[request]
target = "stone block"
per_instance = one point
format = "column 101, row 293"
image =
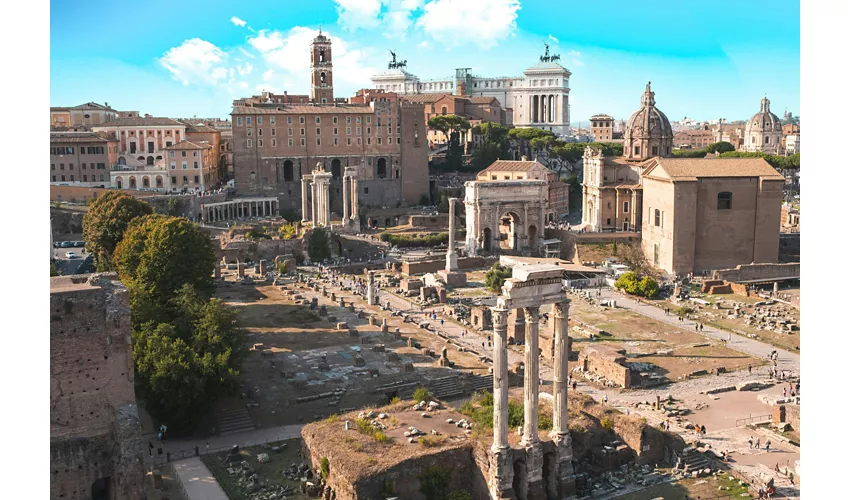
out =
column 392, row 356
column 342, row 326
column 359, row 361
column 452, row 279
column 353, row 333
column 409, row 368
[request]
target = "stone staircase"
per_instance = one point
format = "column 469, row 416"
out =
column 693, row 460
column 481, row 383
column 446, row 387
column 233, row 421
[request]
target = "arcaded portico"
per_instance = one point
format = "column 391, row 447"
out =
column 539, row 475
column 505, row 215
column 242, row 208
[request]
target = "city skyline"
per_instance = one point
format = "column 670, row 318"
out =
column 198, row 68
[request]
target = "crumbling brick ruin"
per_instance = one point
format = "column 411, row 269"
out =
column 95, row 436
column 607, row 362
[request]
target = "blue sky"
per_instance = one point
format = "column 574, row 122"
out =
column 187, row 58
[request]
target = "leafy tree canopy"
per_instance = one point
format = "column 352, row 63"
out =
column 720, row 147
column 318, row 245
column 105, row 222
column 496, row 276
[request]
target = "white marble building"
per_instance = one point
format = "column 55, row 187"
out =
column 539, row 98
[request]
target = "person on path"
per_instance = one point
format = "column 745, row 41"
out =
column 784, row 393
column 702, row 431
column 574, row 384
column 208, row 446
column 463, row 332
column 791, row 478
column 750, row 369
column 767, row 445
column 751, row 442
column 150, row 448
column 758, row 443
column 605, row 399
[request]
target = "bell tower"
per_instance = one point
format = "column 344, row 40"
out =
column 321, row 70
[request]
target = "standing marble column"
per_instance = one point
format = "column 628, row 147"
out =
column 305, row 217
column 451, row 255
column 314, row 202
column 370, row 292
column 345, row 212
column 501, row 470
column 561, row 312
column 532, row 376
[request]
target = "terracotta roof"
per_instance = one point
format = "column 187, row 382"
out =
column 511, row 166
column 481, row 99
column 285, row 109
column 93, row 105
column 75, row 137
column 188, row 145
column 694, row 168
column 200, row 127
column 424, row 98
column 138, row 121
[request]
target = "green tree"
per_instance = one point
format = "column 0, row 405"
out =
column 443, row 206
column 424, row 200
column 689, row 153
column 720, row 147
column 53, row 271
column 288, row 231
column 648, row 287
column 628, row 282
column 318, row 245
column 484, row 156
column 496, row 276
column 159, row 255
column 453, row 127
column 105, row 222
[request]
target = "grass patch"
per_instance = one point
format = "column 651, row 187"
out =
column 366, row 428
column 479, row 410
column 432, row 441
column 422, row 394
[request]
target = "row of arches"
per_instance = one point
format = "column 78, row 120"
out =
column 287, row 170
column 132, row 182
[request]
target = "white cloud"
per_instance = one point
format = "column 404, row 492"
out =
column 196, row 61
column 483, row 22
column 268, row 75
column 290, row 52
column 574, row 58
column 423, row 44
column 354, row 14
column 553, row 39
column 245, row 69
column 243, row 85
column 246, row 53
column 238, row 22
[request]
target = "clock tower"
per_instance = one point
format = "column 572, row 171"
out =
column 321, row 70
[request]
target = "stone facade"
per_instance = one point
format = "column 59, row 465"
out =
column 95, row 436
column 608, row 362
column 706, row 214
column 540, row 98
column 558, row 195
column 611, row 193
column 81, row 159
column 602, row 127
column 763, row 132
column 648, row 132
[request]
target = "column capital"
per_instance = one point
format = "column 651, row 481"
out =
column 561, row 309
column 532, row 314
column 500, row 316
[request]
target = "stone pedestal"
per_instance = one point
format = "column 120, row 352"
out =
column 452, row 278
column 371, row 295
column 501, row 473
column 263, row 267
column 217, row 272
column 240, row 270
column 536, row 488
column 384, row 326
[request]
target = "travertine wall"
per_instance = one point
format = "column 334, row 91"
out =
column 749, row 272
column 94, row 428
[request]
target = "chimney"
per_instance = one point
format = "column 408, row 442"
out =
column 524, row 158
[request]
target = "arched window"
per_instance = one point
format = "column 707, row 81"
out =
column 767, row 140
column 724, row 200
column 657, row 218
column 444, row 111
column 322, row 77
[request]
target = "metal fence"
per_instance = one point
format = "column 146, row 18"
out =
column 751, row 419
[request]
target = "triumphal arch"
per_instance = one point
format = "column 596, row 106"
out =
column 506, row 215
column 536, row 470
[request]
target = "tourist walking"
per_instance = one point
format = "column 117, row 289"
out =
column 751, row 442
column 758, row 443
column 767, row 445
column 605, row 399
column 150, row 448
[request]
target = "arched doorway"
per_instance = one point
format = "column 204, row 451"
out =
column 146, row 182
column 132, row 183
column 381, row 172
column 100, row 489
column 520, row 483
column 159, row 182
column 336, row 169
column 149, row 160
column 288, row 171
column 509, row 225
column 488, row 238
column 118, row 182
column 141, row 158
column 532, row 236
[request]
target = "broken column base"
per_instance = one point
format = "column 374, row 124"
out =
column 452, row 278
column 565, row 472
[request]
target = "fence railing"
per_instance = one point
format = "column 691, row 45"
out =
column 751, row 419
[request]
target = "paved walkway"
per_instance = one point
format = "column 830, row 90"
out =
column 198, row 482
column 248, row 438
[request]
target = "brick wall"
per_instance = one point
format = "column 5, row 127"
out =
column 94, row 428
column 411, row 268
column 607, row 362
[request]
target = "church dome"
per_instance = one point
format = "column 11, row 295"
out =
column 765, row 120
column 648, row 132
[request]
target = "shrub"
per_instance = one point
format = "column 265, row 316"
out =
column 325, row 465
column 364, row 426
column 633, row 285
column 395, row 400
column 648, row 287
column 684, row 311
column 496, row 276
column 424, row 200
column 422, row 394
column 282, row 268
column 434, row 482
column 406, row 241
column 318, row 245
column 432, row 441
column 607, row 424
column 460, row 495
column 288, row 231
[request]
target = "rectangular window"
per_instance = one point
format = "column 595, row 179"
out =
column 101, row 166
column 336, row 141
column 724, row 201
column 259, row 132
column 318, row 142
column 238, row 124
column 358, row 119
column 368, row 130
column 368, row 119
column 273, row 131
column 61, row 166
column 63, row 178
column 336, row 131
column 183, row 154
column 85, row 178
column 379, row 141
column 247, row 120
column 358, row 131
column 272, row 120
column 248, row 132
column 197, row 180
column 171, row 154
column 53, row 177
column 195, row 164
column 70, row 166
column 84, row 166
column 656, row 253
column 303, row 141
column 259, row 120
column 195, row 153
column 335, row 120
column 173, row 179
column 101, row 177
column 290, row 143
column 290, row 132
column 274, row 142
column 250, row 143
column 318, row 120
column 185, row 165
column 259, row 143
column 301, row 119
column 349, row 141
column 302, row 132
column 318, row 131
column 185, row 180
column 52, row 166
column 625, row 207
column 348, row 130
column 173, row 165
column 72, row 178
column 359, row 141
column 347, row 119
column 289, row 119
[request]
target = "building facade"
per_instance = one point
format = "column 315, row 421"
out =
column 702, row 214
column 763, row 132
column 699, row 138
column 84, row 115
column 539, row 98
column 476, row 110
column 602, row 127
column 142, row 139
column 81, row 159
column 611, row 193
column 648, row 132
column 186, row 167
column 276, row 144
